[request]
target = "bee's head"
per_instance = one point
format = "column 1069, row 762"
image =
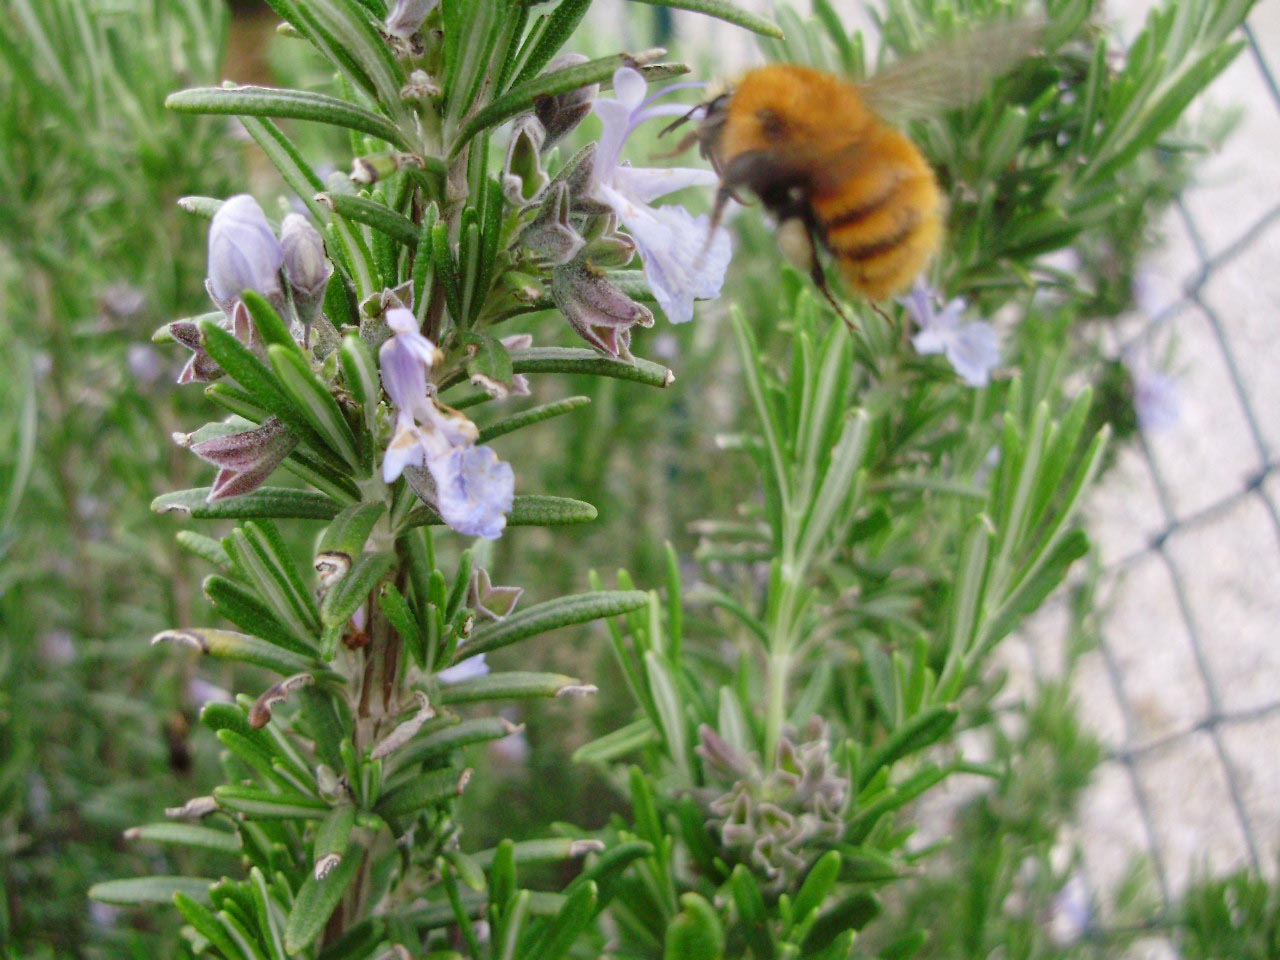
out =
column 710, row 116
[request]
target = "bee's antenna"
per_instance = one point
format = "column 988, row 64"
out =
column 680, row 121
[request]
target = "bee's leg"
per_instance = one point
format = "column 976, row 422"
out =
column 687, row 141
column 796, row 239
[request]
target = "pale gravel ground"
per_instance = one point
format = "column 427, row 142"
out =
column 1146, row 695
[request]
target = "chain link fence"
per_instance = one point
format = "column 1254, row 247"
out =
column 1184, row 686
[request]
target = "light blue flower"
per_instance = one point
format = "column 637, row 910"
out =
column 474, row 489
column 683, row 261
column 306, row 268
column 405, row 358
column 407, row 16
column 972, row 348
column 468, row 669
column 1155, row 396
column 244, row 253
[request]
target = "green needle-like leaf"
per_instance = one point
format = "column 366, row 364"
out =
column 188, row 835
column 313, row 399
column 258, row 803
column 277, row 502
column 428, row 790
column 542, row 617
column 531, row 416
column 343, row 600
column 523, row 97
column 728, row 12
column 226, row 645
column 318, row 898
column 296, row 104
column 138, row 891
column 377, row 215
column 512, row 686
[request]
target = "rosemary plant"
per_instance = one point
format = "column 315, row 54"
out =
column 372, row 340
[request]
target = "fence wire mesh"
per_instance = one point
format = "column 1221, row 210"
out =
column 1183, row 684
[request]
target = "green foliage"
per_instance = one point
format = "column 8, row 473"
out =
column 779, row 720
column 93, row 255
column 1235, row 917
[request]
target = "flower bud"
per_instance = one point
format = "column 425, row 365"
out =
column 523, row 178
column 420, row 88
column 200, row 367
column 551, row 236
column 598, row 311
column 245, row 459
column 578, row 176
column 305, row 266
column 243, row 253
column 561, row 113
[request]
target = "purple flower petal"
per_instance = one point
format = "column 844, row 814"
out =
column 468, row 669
column 679, row 266
column 244, row 253
column 474, row 490
column 682, row 259
column 972, row 349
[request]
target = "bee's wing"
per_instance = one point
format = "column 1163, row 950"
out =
column 951, row 73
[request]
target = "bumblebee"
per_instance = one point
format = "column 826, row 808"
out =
column 816, row 150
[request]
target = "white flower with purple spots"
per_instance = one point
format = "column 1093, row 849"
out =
column 972, row 348
column 681, row 261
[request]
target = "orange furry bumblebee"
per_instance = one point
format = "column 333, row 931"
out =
column 817, row 151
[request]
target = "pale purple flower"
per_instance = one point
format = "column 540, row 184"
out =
column 423, row 437
column 1155, row 396
column 244, row 253
column 972, row 348
column 405, row 358
column 683, row 261
column 145, row 365
column 407, row 16
column 474, row 490
column 57, row 648
column 1071, row 912
column 199, row 691
column 468, row 669
column 121, row 301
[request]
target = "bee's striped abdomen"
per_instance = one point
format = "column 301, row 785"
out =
column 882, row 221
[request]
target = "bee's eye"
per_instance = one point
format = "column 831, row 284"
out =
column 771, row 124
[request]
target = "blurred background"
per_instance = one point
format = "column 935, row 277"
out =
column 1154, row 683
